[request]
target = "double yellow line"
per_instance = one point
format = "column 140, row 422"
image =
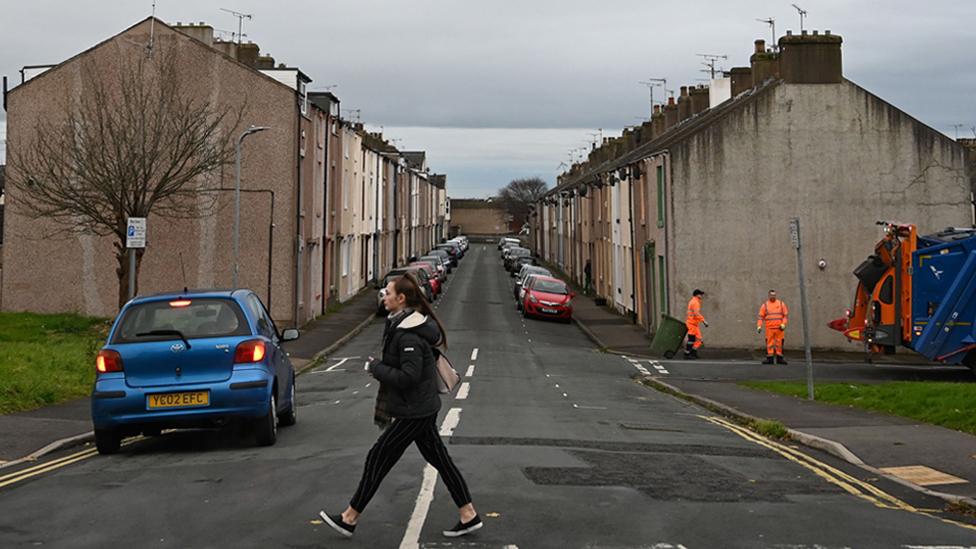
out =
column 848, row 483
column 53, row 465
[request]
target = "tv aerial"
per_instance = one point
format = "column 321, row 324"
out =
column 772, row 29
column 240, row 22
column 803, row 14
column 709, row 61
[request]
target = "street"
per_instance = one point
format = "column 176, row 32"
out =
column 560, row 444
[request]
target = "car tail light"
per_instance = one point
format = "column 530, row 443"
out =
column 108, row 361
column 180, row 303
column 249, row 351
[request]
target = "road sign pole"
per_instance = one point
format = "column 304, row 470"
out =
column 795, row 238
column 132, row 273
column 135, row 238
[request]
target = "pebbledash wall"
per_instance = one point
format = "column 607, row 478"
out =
column 55, row 274
column 711, row 185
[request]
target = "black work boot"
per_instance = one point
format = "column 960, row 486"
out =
column 780, row 360
column 769, row 360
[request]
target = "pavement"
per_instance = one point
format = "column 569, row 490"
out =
column 27, row 435
column 880, row 442
column 559, row 443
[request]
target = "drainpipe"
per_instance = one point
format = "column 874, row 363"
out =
column 299, row 217
column 376, row 219
column 325, row 210
column 633, row 249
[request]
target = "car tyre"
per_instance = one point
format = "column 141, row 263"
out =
column 266, row 428
column 290, row 417
column 107, row 441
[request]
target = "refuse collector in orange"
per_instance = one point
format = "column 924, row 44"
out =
column 774, row 314
column 692, row 322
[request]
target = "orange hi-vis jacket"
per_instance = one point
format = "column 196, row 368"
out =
column 774, row 314
column 694, row 317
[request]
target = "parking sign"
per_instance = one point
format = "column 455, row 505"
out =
column 135, row 232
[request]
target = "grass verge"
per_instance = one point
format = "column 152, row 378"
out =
column 46, row 359
column 951, row 405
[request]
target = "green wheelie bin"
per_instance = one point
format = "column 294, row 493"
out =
column 669, row 336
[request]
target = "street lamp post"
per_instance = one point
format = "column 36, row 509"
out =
column 237, row 199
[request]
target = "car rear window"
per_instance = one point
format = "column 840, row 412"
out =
column 549, row 287
column 194, row 318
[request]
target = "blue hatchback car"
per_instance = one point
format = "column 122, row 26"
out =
column 194, row 359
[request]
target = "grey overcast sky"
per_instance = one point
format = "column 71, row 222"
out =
column 503, row 89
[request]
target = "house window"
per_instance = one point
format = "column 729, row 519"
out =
column 660, row 195
column 303, row 96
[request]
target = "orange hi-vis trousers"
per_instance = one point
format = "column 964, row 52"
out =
column 774, row 341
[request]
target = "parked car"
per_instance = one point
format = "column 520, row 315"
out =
column 449, row 261
column 519, row 262
column 508, row 240
column 508, row 246
column 513, row 254
column 431, row 270
column 524, row 272
column 421, row 275
column 520, row 295
column 548, row 297
column 453, row 249
column 439, row 263
column 462, row 240
column 192, row 359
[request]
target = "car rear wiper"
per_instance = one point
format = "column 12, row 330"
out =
column 176, row 333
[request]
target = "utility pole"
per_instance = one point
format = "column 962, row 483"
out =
column 795, row 239
column 240, row 22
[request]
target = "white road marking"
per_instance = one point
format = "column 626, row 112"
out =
column 589, row 407
column 336, row 365
column 470, row 371
column 411, row 538
column 474, row 354
column 463, row 391
column 338, row 401
column 368, row 384
column 565, row 395
column 451, row 421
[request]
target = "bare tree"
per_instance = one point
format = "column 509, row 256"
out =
column 518, row 196
column 132, row 144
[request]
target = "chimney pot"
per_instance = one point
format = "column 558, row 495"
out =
column 827, row 32
column 179, row 23
column 803, row 32
column 671, row 101
column 789, row 33
column 761, row 46
column 684, row 91
column 815, row 33
column 202, row 23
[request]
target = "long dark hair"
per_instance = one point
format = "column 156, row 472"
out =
column 416, row 299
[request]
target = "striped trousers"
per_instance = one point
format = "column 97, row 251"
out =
column 390, row 447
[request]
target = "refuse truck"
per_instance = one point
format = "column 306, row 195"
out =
column 917, row 292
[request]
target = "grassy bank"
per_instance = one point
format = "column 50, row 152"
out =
column 46, row 359
column 951, row 405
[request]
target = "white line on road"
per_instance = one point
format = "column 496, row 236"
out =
column 474, row 354
column 470, row 371
column 451, row 421
column 463, row 391
column 411, row 538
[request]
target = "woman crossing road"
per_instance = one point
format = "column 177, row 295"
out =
column 407, row 406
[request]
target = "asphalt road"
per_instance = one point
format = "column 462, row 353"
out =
column 559, row 445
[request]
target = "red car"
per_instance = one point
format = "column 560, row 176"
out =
column 547, row 297
column 435, row 283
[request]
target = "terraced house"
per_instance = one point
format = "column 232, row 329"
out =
column 320, row 196
column 700, row 196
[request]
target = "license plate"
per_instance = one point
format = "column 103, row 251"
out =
column 178, row 400
column 550, row 311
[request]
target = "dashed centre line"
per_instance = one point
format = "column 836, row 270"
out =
column 463, row 391
column 470, row 371
column 474, row 354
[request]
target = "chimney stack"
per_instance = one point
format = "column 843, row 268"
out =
column 671, row 118
column 699, row 99
column 811, row 58
column 684, row 104
column 264, row 62
column 248, row 54
column 741, row 79
column 201, row 32
column 765, row 64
